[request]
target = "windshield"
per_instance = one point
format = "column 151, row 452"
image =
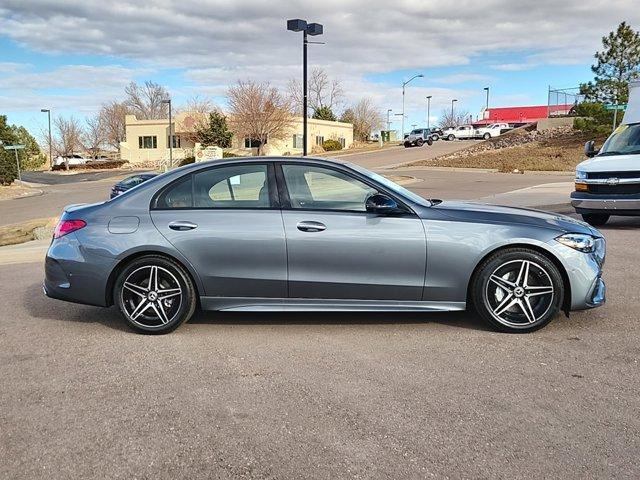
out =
column 624, row 140
column 416, row 132
column 394, row 187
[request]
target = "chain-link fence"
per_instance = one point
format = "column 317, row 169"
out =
column 561, row 102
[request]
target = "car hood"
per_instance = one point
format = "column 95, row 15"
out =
column 480, row 212
column 611, row 163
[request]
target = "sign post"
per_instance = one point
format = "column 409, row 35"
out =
column 15, row 148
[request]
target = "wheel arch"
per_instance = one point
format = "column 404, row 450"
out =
column 566, row 301
column 142, row 253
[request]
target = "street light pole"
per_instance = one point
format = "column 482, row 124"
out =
column 43, row 110
column 168, row 101
column 428, row 109
column 389, row 120
column 299, row 25
column 452, row 102
column 487, row 106
column 404, row 84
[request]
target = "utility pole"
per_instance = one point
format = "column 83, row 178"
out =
column 48, row 112
column 428, row 109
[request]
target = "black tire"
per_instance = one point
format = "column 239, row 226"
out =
column 493, row 298
column 407, row 145
column 429, row 141
column 486, row 136
column 451, row 137
column 419, row 142
column 596, row 219
column 161, row 313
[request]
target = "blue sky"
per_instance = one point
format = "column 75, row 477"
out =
column 200, row 48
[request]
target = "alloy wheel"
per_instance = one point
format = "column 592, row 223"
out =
column 519, row 293
column 151, row 296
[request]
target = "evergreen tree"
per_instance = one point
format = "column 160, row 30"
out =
column 324, row 113
column 616, row 65
column 8, row 168
column 215, row 131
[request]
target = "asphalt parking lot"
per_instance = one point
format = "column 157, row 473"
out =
column 289, row 395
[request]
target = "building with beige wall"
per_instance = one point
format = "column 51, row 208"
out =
column 147, row 141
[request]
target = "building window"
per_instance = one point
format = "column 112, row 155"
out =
column 252, row 142
column 176, row 141
column 319, row 140
column 343, row 142
column 148, row 141
column 297, row 141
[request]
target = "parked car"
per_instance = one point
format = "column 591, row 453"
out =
column 436, row 133
column 279, row 233
column 74, row 159
column 418, row 137
column 608, row 182
column 130, row 182
column 493, row 130
column 463, row 132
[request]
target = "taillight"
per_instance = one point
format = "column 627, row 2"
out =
column 67, row 226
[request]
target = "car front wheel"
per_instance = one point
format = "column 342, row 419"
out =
column 155, row 294
column 517, row 290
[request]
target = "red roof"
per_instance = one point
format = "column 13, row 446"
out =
column 525, row 114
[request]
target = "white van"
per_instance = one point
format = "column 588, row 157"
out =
column 608, row 182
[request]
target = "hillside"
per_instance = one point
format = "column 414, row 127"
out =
column 556, row 149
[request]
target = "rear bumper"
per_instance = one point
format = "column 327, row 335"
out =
column 611, row 204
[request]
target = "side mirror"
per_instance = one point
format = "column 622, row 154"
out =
column 379, row 203
column 589, row 149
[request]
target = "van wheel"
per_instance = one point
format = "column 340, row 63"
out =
column 595, row 219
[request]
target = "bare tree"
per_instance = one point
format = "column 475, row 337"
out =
column 112, row 120
column 453, row 119
column 365, row 118
column 93, row 137
column 260, row 112
column 145, row 101
column 323, row 92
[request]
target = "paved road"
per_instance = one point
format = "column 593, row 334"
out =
column 400, row 155
column 320, row 395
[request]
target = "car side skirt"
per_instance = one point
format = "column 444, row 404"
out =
column 248, row 304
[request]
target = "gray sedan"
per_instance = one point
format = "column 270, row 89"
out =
column 266, row 234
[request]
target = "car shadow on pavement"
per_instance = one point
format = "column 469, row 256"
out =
column 42, row 307
column 452, row 319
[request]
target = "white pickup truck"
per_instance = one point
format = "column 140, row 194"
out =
column 459, row 133
column 493, row 130
column 608, row 182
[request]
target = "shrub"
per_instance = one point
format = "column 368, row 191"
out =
column 93, row 165
column 331, row 145
column 187, row 161
column 8, row 168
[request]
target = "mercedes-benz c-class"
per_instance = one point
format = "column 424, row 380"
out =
column 309, row 234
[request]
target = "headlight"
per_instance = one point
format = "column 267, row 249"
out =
column 578, row 241
column 581, row 175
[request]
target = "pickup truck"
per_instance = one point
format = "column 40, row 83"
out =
column 460, row 133
column 608, row 182
column 493, row 130
column 418, row 137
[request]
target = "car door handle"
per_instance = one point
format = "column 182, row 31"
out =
column 311, row 226
column 181, row 225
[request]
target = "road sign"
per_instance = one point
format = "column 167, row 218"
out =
column 14, row 147
column 622, row 106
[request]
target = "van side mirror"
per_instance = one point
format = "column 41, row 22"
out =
column 589, row 149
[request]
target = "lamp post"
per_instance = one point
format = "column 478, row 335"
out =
column 168, row 102
column 404, row 84
column 428, row 109
column 389, row 120
column 486, row 89
column 452, row 102
column 48, row 112
column 313, row 29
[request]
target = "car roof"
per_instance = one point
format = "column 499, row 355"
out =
column 288, row 159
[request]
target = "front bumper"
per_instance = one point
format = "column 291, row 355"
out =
column 606, row 203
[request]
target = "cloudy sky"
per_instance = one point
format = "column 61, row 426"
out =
column 73, row 55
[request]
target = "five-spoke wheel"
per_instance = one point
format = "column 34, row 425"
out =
column 155, row 294
column 517, row 290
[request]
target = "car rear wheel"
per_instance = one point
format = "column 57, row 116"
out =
column 596, row 219
column 486, row 136
column 155, row 294
column 450, row 137
column 517, row 290
column 435, row 138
